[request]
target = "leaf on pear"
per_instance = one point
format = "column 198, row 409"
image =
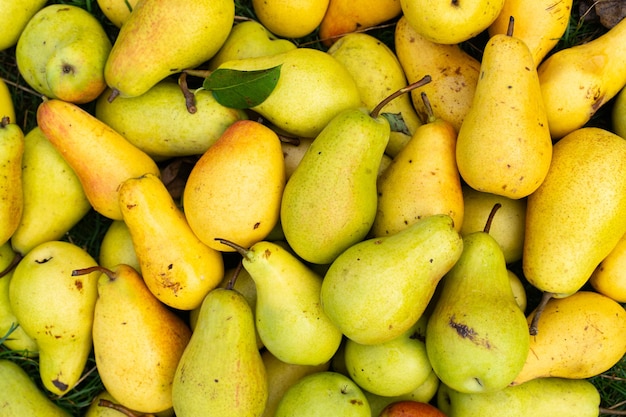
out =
column 242, row 89
column 397, row 123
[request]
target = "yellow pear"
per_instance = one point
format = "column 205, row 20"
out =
column 117, row 11
column 20, row 13
column 177, row 267
column 149, row 46
column 11, row 195
column 579, row 336
column 101, row 158
column 234, row 190
column 290, row 19
column 6, row 102
column 609, row 277
column 117, row 247
column 504, row 145
column 578, row 214
column 454, row 74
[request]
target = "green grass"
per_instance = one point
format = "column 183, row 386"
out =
column 89, row 232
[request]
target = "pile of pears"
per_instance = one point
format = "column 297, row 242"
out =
column 384, row 224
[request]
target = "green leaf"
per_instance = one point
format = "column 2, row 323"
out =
column 242, row 89
column 396, row 122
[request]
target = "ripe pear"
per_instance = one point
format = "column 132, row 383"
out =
column 504, row 145
column 377, row 71
column 137, row 340
column 7, row 109
column 378, row 288
column 232, row 193
column 92, row 148
column 221, row 369
column 609, row 277
column 20, row 396
column 20, row 14
column 148, row 46
column 11, row 184
column 595, row 67
column 542, row 397
column 454, row 74
column 578, row 214
column 117, row 11
column 176, row 266
column 313, row 87
column 61, row 53
column 54, row 199
column 56, row 309
column 116, row 247
column 158, row 122
column 577, row 337
column 476, row 321
column 329, row 202
column 290, row 19
column 421, row 180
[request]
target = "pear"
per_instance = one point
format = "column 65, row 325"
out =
column 609, row 277
column 504, row 145
column 519, row 290
column 421, row 180
column 54, row 199
column 328, row 393
column 582, row 196
column 20, row 396
column 11, row 184
column 117, row 11
column 61, row 53
column 148, row 46
column 595, row 67
column 56, row 309
column 576, row 337
column 378, row 288
column 232, row 193
column 7, row 109
column 313, row 87
column 116, row 247
column 329, row 202
column 289, row 317
column 293, row 152
column 454, row 74
column 221, row 369
column 476, row 321
column 177, row 267
column 543, row 397
column 129, row 322
column 20, row 13
column 377, row 71
column 92, row 148
column 293, row 19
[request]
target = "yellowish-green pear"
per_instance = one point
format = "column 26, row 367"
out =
column 11, row 183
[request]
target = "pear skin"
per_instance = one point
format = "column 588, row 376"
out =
column 176, row 266
column 92, row 148
column 581, row 197
column 292, row 19
column 11, row 184
column 609, row 277
column 6, row 102
column 116, row 247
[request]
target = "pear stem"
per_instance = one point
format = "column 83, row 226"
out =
column 197, row 73
column 231, row 282
column 509, row 29
column 428, row 107
column 114, row 93
column 120, row 408
column 533, row 330
column 5, row 121
column 492, row 213
column 16, row 260
column 190, row 98
column 610, row 412
column 90, row 269
column 240, row 249
column 419, row 83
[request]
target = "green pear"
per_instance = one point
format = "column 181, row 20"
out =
column 20, row 396
column 56, row 308
column 149, row 46
column 158, row 122
column 312, row 89
column 61, row 53
column 378, row 288
column 391, row 368
column 20, row 13
column 116, row 247
column 329, row 202
column 221, row 369
column 249, row 39
column 542, row 397
column 11, row 182
column 128, row 322
column 581, row 197
column 289, row 317
column 477, row 322
column 54, row 199
column 328, row 394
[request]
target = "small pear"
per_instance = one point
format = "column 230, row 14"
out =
column 55, row 309
column 609, row 277
column 11, row 184
column 378, row 288
column 117, row 247
column 289, row 317
column 221, row 368
column 129, row 322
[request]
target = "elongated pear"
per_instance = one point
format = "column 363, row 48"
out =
column 11, row 194
column 101, row 158
column 177, row 267
column 504, row 145
column 289, row 317
column 56, row 309
column 378, row 288
column 582, row 197
column 329, row 202
column 221, row 369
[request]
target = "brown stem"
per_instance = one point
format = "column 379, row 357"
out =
column 231, row 282
column 5, row 121
column 533, row 330
column 114, row 93
column 428, row 107
column 419, row 83
column 117, row 407
column 292, row 140
column 240, row 249
column 612, row 412
column 16, row 260
column 190, row 98
column 197, row 73
column 509, row 29
column 90, row 269
column 492, row 213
